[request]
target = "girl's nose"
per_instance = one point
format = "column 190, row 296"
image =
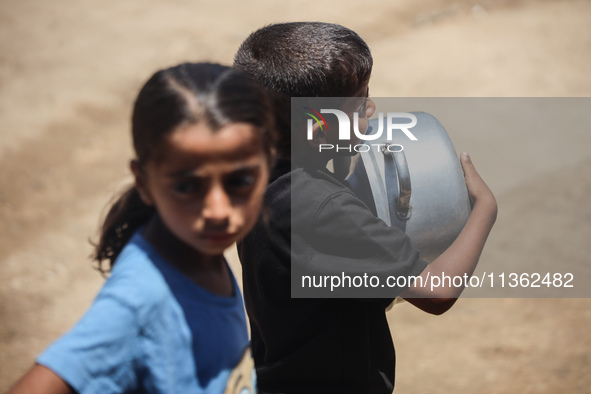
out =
column 217, row 205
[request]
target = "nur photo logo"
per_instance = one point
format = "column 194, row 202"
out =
column 391, row 122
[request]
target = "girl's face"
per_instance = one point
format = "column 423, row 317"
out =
column 207, row 186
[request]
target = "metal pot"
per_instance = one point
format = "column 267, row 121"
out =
column 417, row 185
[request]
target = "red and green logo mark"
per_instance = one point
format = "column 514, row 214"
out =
column 318, row 118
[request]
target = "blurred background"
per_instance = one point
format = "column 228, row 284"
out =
column 69, row 71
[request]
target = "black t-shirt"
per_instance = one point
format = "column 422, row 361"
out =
column 320, row 345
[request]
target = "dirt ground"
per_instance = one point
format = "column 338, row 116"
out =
column 69, row 70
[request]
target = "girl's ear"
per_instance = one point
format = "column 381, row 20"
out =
column 140, row 182
column 318, row 136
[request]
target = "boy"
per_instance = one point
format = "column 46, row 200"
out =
column 330, row 345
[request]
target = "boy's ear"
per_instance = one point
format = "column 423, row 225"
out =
column 140, row 182
column 318, row 136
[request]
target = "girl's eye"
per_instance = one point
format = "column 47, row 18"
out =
column 241, row 181
column 186, row 187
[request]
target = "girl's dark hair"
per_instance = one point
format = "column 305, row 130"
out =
column 185, row 94
column 304, row 59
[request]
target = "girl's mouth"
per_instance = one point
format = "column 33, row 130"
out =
column 218, row 237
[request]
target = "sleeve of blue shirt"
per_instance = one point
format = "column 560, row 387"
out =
column 98, row 354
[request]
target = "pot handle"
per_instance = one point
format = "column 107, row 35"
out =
column 396, row 167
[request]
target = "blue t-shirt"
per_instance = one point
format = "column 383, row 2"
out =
column 152, row 330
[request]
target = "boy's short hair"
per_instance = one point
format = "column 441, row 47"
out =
column 304, row 59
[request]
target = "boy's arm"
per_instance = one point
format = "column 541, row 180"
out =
column 463, row 254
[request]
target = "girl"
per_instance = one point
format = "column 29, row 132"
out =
column 170, row 318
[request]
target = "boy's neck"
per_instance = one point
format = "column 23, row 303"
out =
column 311, row 161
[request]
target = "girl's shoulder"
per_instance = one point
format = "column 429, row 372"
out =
column 135, row 281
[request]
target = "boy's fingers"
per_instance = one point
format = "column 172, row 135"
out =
column 473, row 180
column 467, row 164
column 465, row 158
column 477, row 188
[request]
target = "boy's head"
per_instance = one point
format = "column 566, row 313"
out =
column 305, row 59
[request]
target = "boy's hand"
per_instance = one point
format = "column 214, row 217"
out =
column 478, row 191
column 462, row 256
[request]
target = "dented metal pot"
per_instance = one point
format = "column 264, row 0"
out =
column 417, row 185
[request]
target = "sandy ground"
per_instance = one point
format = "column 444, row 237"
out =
column 69, row 70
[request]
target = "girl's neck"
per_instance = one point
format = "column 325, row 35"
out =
column 209, row 272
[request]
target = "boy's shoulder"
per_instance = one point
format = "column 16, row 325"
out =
column 317, row 191
column 311, row 183
column 304, row 186
column 322, row 181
